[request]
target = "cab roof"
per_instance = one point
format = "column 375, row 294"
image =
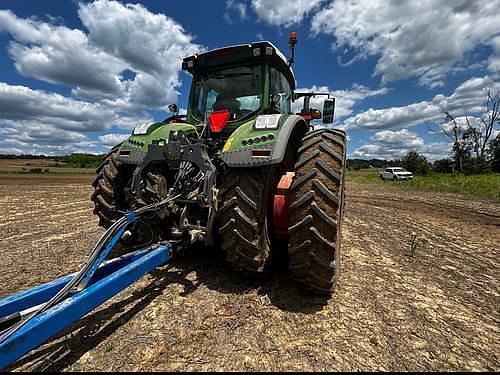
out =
column 242, row 54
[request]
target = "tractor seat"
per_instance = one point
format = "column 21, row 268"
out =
column 231, row 104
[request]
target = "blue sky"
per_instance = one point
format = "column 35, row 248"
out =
column 78, row 76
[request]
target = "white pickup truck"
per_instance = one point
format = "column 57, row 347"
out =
column 395, row 173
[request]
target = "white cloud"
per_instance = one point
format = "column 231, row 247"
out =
column 153, row 44
column 235, row 10
column 60, row 55
column 404, row 136
column 394, row 117
column 462, row 123
column 35, row 138
column 19, row 103
column 494, row 60
column 111, row 140
column 284, row 12
column 424, row 39
column 388, row 144
column 120, row 37
column 467, row 98
column 36, row 120
column 42, row 134
column 125, row 62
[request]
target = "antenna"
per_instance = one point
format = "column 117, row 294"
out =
column 292, row 41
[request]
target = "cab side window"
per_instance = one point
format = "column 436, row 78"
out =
column 280, row 86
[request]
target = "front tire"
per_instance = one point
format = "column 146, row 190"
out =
column 110, row 201
column 108, row 189
column 316, row 210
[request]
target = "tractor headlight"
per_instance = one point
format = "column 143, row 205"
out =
column 267, row 122
column 141, row 129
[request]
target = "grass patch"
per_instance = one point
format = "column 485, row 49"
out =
column 484, row 185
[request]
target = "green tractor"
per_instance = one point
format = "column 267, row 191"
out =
column 245, row 174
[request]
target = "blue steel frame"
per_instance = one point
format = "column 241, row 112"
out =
column 108, row 280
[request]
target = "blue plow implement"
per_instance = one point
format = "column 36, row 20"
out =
column 30, row 318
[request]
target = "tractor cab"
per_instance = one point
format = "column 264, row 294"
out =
column 238, row 83
column 235, row 84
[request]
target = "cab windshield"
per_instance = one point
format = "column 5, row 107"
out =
column 236, row 89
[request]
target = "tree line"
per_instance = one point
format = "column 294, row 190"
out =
column 413, row 162
column 76, row 160
column 418, row 164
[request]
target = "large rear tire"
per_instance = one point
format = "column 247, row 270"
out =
column 316, row 210
column 242, row 219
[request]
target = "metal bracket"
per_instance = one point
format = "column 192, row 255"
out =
column 173, row 153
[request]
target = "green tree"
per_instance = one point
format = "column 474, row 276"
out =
column 494, row 152
column 416, row 163
column 443, row 166
column 470, row 141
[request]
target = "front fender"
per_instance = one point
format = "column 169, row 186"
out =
column 135, row 148
column 238, row 153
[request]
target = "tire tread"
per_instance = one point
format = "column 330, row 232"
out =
column 316, row 210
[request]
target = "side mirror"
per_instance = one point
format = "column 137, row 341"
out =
column 328, row 111
column 173, row 108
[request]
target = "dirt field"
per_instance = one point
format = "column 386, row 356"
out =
column 438, row 310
